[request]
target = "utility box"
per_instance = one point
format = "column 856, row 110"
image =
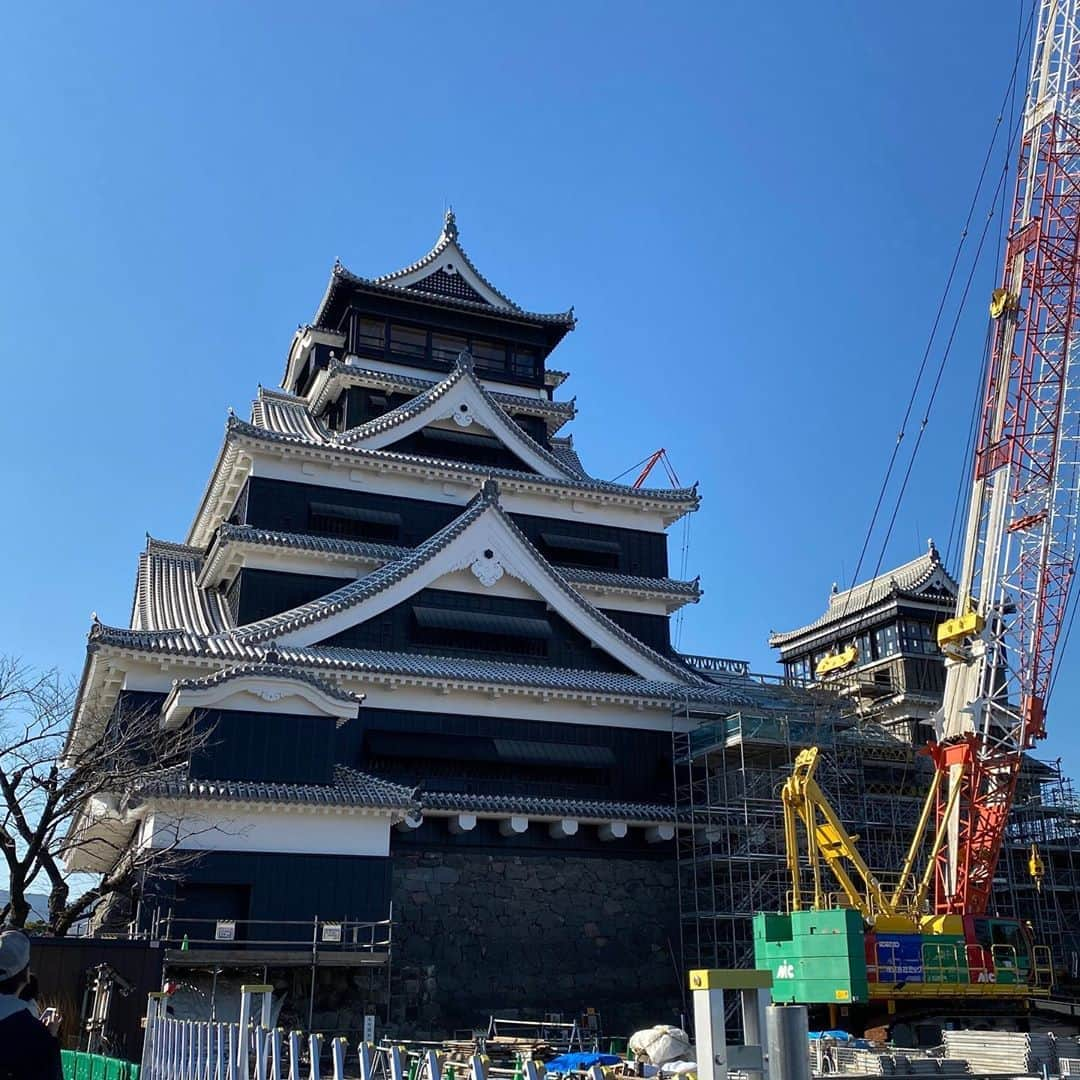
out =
column 814, row 957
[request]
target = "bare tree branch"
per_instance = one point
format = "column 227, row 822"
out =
column 48, row 789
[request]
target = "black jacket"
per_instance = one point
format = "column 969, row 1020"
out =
column 27, row 1050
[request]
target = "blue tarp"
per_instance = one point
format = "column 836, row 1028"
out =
column 841, row 1036
column 565, row 1063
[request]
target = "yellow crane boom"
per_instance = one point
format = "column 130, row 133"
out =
column 828, row 841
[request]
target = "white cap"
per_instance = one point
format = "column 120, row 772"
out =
column 14, row 953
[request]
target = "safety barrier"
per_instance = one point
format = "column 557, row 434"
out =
column 252, row 1050
column 78, row 1065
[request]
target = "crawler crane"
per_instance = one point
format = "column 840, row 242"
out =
column 930, row 940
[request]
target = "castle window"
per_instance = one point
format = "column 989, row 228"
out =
column 445, row 348
column 799, row 670
column 489, row 356
column 886, row 642
column 353, row 522
column 369, row 337
column 918, row 637
column 480, row 631
column 581, row 551
column 524, row 363
column 408, row 342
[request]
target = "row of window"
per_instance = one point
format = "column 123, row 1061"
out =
column 355, row 523
column 907, row 636
column 392, row 340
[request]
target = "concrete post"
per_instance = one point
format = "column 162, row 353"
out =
column 709, row 1034
column 789, row 1048
column 714, row 1057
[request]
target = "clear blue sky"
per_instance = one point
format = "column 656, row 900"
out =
column 753, row 210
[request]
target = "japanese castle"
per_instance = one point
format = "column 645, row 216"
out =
column 433, row 652
column 876, row 644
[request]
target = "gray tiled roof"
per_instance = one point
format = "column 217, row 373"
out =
column 560, row 411
column 285, row 423
column 350, row 788
column 462, row 372
column 267, row 671
column 447, row 238
column 167, row 594
column 368, row 550
column 356, row 592
column 473, row 672
column 563, row 449
column 905, row 580
column 552, row 806
column 288, row 415
column 339, row 273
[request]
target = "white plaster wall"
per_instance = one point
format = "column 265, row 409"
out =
column 235, row 829
column 357, row 476
column 153, row 677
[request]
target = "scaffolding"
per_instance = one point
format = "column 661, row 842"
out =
column 729, row 767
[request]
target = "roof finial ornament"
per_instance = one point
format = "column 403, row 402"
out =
column 489, row 490
column 465, row 360
column 835, row 588
column 932, row 549
column 450, row 230
column 272, row 656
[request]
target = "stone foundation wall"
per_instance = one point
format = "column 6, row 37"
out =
column 523, row 935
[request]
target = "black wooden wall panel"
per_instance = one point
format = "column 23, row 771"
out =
column 289, row 887
column 496, row 456
column 261, row 593
column 395, row 629
column 641, row 771
column 284, row 505
column 281, row 747
column 653, row 630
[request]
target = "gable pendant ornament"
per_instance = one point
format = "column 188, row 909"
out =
column 487, row 569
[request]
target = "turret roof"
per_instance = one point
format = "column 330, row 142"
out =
column 489, row 413
column 926, row 574
column 353, row 372
column 446, row 275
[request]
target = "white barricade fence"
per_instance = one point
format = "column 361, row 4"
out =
column 252, row 1050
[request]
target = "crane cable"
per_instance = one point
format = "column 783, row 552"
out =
column 937, row 319
column 933, row 392
column 967, row 462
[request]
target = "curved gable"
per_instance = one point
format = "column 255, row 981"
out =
column 461, row 400
column 485, row 542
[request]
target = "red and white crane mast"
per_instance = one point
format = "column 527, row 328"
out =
column 1020, row 544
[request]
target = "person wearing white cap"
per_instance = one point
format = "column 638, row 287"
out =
column 28, row 1050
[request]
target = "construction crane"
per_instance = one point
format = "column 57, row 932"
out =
column 657, row 456
column 1020, row 543
column 1012, row 606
